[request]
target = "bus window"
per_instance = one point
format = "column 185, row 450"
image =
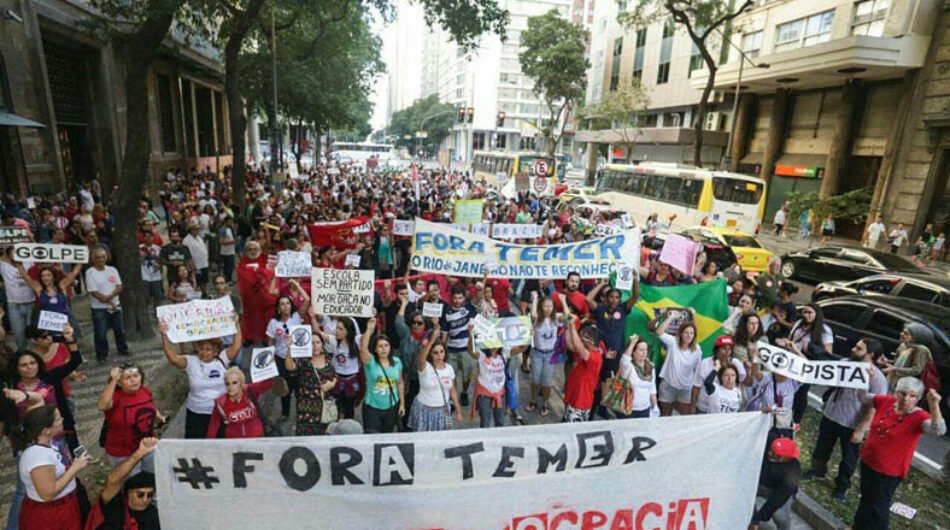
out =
column 736, row 190
column 671, row 189
column 692, row 189
column 652, row 187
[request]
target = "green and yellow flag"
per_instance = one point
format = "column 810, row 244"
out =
column 709, row 299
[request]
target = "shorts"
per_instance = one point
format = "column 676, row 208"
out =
column 463, row 364
column 826, row 232
column 670, row 394
column 542, row 371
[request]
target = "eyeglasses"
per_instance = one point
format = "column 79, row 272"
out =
column 144, row 494
column 418, row 323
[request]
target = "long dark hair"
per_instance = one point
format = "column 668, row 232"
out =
column 41, row 365
column 742, row 335
column 372, row 348
column 352, row 346
column 34, row 422
column 277, row 306
column 817, row 326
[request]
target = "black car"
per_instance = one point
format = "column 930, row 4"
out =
column 932, row 289
column 821, row 264
column 714, row 249
column 883, row 318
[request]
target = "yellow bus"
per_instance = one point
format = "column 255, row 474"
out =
column 695, row 195
column 497, row 168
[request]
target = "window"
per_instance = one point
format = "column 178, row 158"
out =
column 804, row 31
column 736, row 190
column 875, row 286
column 641, row 37
column 669, row 27
column 918, row 292
column 869, row 17
column 844, row 312
column 695, row 61
column 855, row 256
column 886, row 324
column 666, row 53
column 692, row 189
column 741, row 241
column 638, row 53
column 752, row 43
column 615, row 64
column 671, row 189
column 663, row 73
column 826, row 252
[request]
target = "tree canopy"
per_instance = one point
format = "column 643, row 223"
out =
column 438, row 118
column 617, row 110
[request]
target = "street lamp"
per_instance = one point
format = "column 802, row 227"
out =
column 743, row 57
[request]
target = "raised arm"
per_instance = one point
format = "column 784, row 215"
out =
column 305, row 305
column 472, row 352
column 70, row 278
column 365, row 355
column 579, row 347
column 423, row 357
column 235, row 346
column 75, row 358
column 117, row 476
column 178, row 360
column 592, row 295
column 534, row 307
column 634, row 295
column 105, row 398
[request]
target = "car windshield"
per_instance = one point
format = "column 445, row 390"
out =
column 741, row 240
column 893, row 262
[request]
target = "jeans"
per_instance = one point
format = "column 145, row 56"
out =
column 102, row 320
column 13, row 518
column 227, row 265
column 376, row 420
column 488, row 412
column 874, row 509
column 20, row 317
column 830, row 432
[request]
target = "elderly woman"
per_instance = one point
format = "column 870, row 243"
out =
column 258, row 294
column 238, row 407
column 205, row 376
column 893, row 433
column 913, row 354
column 130, row 414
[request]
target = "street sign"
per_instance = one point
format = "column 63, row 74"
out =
column 541, row 168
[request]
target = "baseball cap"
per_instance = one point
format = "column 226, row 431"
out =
column 724, row 340
column 785, row 447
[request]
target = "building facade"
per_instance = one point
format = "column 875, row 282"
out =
column 59, row 71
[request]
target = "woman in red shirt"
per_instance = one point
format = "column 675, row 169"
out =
column 893, row 434
column 130, row 414
column 238, row 407
column 258, row 293
column 584, row 376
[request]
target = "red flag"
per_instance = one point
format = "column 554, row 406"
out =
column 336, row 234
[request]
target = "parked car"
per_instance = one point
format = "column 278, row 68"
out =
column 930, row 289
column 883, row 317
column 839, row 263
column 749, row 251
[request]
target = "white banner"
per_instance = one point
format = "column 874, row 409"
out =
column 198, row 319
column 641, row 473
column 515, row 231
column 292, row 264
column 342, row 292
column 40, row 253
column 848, row 374
column 439, row 249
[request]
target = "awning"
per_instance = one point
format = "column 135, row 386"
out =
column 12, row 120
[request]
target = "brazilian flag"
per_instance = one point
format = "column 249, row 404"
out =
column 709, row 299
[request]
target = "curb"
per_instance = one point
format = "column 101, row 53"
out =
column 815, row 514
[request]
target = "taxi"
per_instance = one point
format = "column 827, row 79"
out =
column 750, row 253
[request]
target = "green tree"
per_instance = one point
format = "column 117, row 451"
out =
column 701, row 19
column 554, row 55
column 427, row 114
column 618, row 112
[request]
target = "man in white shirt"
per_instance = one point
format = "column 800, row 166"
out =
column 20, row 298
column 897, row 237
column 104, row 285
column 199, row 253
column 88, row 202
column 874, row 232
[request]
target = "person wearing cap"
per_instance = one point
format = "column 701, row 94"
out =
column 129, row 504
column 199, row 252
column 701, row 399
column 842, row 413
column 778, row 482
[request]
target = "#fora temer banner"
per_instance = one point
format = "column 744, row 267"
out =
column 662, row 473
column 442, row 250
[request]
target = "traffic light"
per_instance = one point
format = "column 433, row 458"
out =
column 500, row 121
column 461, row 116
column 471, row 114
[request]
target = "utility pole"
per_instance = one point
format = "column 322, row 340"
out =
column 275, row 151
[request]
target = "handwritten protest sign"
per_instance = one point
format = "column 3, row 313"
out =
column 52, row 321
column 402, row 227
column 342, row 292
column 301, row 341
column 352, row 260
column 432, row 310
column 506, row 332
column 847, row 374
column 292, row 264
column 515, row 231
column 676, row 315
column 263, row 364
column 10, row 235
column 680, row 253
column 40, row 253
column 198, row 319
column 468, row 211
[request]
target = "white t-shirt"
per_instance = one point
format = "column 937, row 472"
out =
column 898, row 237
column 802, row 337
column 723, row 400
column 780, row 217
column 227, row 249
column 642, row 388
column 36, row 456
column 545, row 336
column 18, row 291
column 280, row 348
column 680, row 365
column 205, row 382
column 875, row 230
column 199, row 251
column 430, row 393
column 703, row 403
column 103, row 282
column 151, row 271
column 491, row 372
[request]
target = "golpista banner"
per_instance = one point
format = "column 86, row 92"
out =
column 681, row 473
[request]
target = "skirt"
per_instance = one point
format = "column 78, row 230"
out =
column 423, row 418
column 62, row 514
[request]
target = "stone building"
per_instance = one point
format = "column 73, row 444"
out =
column 62, row 101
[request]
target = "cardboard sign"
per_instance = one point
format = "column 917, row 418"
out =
column 508, row 332
column 342, row 292
column 432, row 310
column 402, row 227
column 301, row 341
column 468, row 211
column 198, row 319
column 40, row 253
column 352, row 260
column 52, row 321
column 847, row 374
column 680, row 253
column 292, row 264
column 263, row 364
column 10, row 235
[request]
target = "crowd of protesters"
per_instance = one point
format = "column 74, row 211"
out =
column 402, row 371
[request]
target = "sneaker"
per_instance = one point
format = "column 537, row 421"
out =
column 809, row 475
column 463, row 399
column 839, row 495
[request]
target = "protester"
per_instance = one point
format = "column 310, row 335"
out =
column 286, row 316
column 546, row 326
column 314, row 379
column 385, row 398
column 912, row 354
column 769, row 282
column 706, row 397
column 127, row 502
column 20, row 298
column 683, row 355
column 636, row 368
column 52, row 295
column 184, row 288
column 104, row 286
column 490, row 388
column 455, row 334
column 258, row 293
column 430, row 410
column 778, row 482
column 238, row 409
column 581, row 382
column 812, row 339
column 130, row 415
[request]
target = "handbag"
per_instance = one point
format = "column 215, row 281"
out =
column 930, row 377
column 618, row 395
column 445, row 403
column 329, row 413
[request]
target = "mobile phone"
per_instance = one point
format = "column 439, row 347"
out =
column 78, row 452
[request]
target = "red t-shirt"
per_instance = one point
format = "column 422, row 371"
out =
column 583, row 379
column 130, row 419
column 60, row 358
column 500, row 288
column 891, row 441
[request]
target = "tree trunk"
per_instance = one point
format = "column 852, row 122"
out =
column 238, row 117
column 701, row 117
column 139, row 51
